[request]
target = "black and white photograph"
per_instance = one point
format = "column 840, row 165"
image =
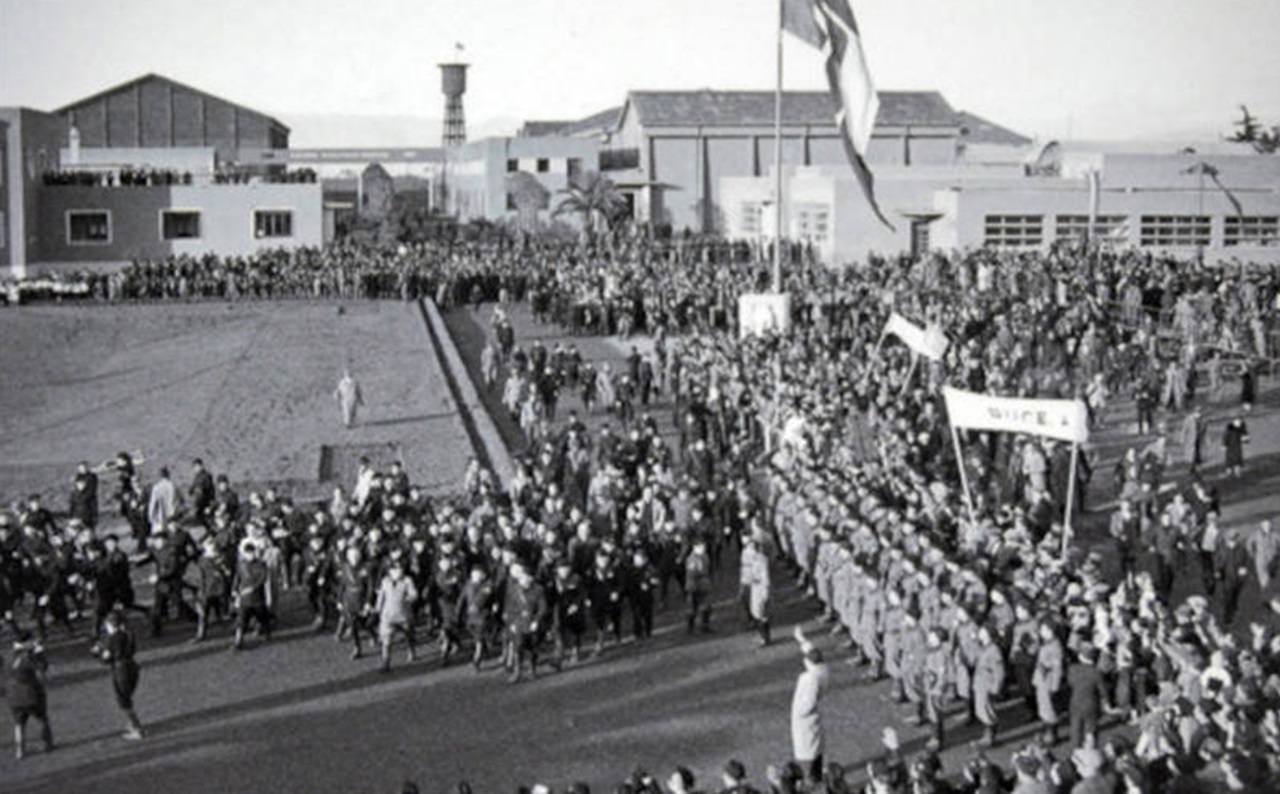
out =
column 640, row 396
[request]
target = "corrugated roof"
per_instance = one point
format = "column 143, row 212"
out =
column 976, row 129
column 752, row 108
column 538, row 129
column 605, row 119
column 152, row 76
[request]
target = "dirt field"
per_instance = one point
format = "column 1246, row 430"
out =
column 248, row 387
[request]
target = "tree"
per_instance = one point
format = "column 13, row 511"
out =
column 594, row 199
column 1250, row 130
column 529, row 196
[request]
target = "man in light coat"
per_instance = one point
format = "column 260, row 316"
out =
column 755, row 583
column 349, row 398
column 163, row 503
column 806, row 716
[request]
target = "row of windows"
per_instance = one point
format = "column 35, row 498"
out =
column 93, row 227
column 1027, row 231
column 572, row 166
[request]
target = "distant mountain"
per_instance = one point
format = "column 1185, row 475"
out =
column 324, row 130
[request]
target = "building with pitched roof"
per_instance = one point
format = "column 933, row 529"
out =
column 145, row 169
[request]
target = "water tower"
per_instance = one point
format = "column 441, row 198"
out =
column 453, row 81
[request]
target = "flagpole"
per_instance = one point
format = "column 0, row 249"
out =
column 1071, row 498
column 911, row 373
column 964, row 477
column 777, row 162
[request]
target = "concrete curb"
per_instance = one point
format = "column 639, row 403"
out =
column 475, row 418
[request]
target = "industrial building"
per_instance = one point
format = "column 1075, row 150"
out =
column 153, row 167
column 146, row 169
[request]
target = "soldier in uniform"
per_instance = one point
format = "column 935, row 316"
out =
column 874, row 618
column 888, row 636
column 936, row 681
column 965, row 646
column 1047, row 679
column 988, row 681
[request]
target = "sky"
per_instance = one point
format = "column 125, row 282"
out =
column 343, row 72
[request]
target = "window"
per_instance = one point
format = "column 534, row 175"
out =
column 543, row 165
column 1175, row 230
column 88, row 227
column 273, row 223
column 511, row 202
column 1114, row 228
column 513, row 166
column 1013, row 231
column 1252, row 230
column 812, row 222
column 573, row 169
column 179, row 224
column 751, row 217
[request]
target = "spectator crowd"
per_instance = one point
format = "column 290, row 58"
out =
column 826, row 450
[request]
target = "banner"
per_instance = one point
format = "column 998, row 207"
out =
column 929, row 342
column 763, row 313
column 1066, row 420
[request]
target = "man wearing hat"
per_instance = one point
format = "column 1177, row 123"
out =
column 806, row 716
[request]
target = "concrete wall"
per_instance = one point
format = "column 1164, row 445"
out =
column 226, row 219
column 33, row 141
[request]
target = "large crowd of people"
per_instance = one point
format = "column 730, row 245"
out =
column 826, row 450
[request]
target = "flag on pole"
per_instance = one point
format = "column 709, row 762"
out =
column 929, row 342
column 830, row 26
column 1205, row 169
column 1062, row 419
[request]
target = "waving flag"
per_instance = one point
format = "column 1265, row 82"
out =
column 929, row 342
column 830, row 26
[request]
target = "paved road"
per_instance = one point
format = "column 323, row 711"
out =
column 297, row 715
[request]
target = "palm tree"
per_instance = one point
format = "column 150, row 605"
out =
column 592, row 198
column 1249, row 130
